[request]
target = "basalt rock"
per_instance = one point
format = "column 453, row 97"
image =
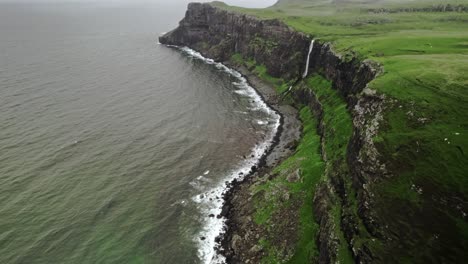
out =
column 220, row 34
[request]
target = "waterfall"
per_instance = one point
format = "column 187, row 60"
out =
column 306, row 71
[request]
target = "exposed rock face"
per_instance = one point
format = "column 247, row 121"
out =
column 220, row 34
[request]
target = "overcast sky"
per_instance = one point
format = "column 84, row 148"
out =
column 245, row 3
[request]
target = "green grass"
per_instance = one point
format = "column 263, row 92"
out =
column 336, row 119
column 261, row 71
column 344, row 255
column 423, row 138
column 311, row 168
column 237, row 58
column 308, row 161
column 337, row 133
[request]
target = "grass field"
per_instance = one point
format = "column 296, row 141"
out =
column 424, row 136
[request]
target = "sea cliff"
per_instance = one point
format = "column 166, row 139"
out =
column 349, row 116
column 220, row 34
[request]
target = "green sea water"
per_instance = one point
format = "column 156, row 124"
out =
column 106, row 137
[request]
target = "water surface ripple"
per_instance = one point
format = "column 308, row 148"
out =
column 106, row 138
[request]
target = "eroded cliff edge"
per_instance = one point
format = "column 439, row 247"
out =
column 343, row 200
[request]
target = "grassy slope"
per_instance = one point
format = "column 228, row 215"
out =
column 269, row 196
column 337, row 131
column 308, row 163
column 424, row 138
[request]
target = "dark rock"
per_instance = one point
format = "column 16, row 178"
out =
column 294, row 177
column 224, row 211
column 219, row 34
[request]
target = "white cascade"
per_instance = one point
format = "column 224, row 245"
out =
column 306, row 71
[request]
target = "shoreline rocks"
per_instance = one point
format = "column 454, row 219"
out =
column 221, row 34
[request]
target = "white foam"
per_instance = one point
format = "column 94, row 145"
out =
column 201, row 178
column 210, row 202
column 196, row 185
column 242, row 92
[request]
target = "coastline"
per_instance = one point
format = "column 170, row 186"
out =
column 359, row 113
column 237, row 198
column 265, row 156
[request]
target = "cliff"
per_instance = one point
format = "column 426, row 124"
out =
column 344, row 202
column 220, row 34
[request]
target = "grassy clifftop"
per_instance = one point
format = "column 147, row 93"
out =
column 423, row 47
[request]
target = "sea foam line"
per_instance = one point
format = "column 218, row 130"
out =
column 211, row 202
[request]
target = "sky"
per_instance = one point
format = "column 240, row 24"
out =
column 244, row 3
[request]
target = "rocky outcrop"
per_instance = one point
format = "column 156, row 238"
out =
column 220, row 34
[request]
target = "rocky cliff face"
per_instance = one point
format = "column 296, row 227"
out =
column 220, row 34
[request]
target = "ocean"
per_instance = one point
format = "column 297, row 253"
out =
column 114, row 148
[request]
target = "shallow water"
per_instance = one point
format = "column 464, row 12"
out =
column 111, row 145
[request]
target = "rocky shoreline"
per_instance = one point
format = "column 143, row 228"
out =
column 281, row 52
column 356, row 206
column 239, row 243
